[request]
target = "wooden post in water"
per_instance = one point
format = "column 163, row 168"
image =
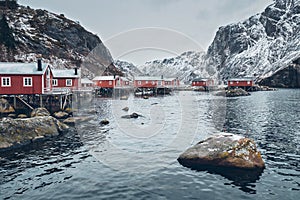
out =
column 15, row 102
column 41, row 101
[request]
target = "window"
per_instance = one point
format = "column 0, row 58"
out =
column 110, row 82
column 146, row 82
column 54, row 82
column 27, row 81
column 231, row 82
column 5, row 82
column 248, row 82
column 139, row 83
column 69, row 82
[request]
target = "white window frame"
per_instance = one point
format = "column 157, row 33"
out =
column 69, row 82
column 109, row 82
column 54, row 82
column 248, row 82
column 27, row 82
column 4, row 82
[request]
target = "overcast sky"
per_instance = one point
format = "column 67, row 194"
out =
column 129, row 27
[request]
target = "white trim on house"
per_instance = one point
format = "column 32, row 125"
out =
column 69, row 82
column 5, row 81
column 27, row 82
column 54, row 82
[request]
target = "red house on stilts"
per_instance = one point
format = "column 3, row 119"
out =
column 25, row 78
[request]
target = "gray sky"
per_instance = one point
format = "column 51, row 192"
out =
column 177, row 25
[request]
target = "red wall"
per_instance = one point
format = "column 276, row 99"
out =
column 199, row 83
column 17, row 85
column 105, row 83
column 61, row 83
column 145, row 84
column 240, row 83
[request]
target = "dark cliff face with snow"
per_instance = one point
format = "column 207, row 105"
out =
column 128, row 69
column 261, row 45
column 185, row 67
column 26, row 32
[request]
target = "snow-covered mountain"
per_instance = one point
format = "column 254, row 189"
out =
column 26, row 32
column 127, row 68
column 186, row 66
column 261, row 45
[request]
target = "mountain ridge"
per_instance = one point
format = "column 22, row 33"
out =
column 62, row 42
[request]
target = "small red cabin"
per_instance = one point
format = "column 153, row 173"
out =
column 105, row 81
column 202, row 82
column 241, row 82
column 25, row 78
column 65, row 79
column 148, row 82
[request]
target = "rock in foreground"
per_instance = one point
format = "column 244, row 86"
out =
column 224, row 150
column 15, row 132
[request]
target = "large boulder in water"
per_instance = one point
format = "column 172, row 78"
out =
column 14, row 132
column 223, row 150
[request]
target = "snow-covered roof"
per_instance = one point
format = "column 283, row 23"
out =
column 169, row 79
column 241, row 79
column 21, row 68
column 104, row 78
column 148, row 78
column 201, row 79
column 86, row 81
column 64, row 73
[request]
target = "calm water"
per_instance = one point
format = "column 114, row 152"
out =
column 136, row 158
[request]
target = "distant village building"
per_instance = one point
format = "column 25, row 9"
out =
column 150, row 85
column 245, row 83
column 65, row 79
column 202, row 83
column 86, row 83
column 105, row 81
column 25, row 78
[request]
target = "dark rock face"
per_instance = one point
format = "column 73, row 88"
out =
column 288, row 77
column 14, row 132
column 26, row 32
column 223, row 150
column 260, row 45
column 133, row 115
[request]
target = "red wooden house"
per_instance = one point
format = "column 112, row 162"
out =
column 25, row 78
column 105, row 81
column 246, row 82
column 202, row 82
column 65, row 79
column 148, row 82
column 171, row 82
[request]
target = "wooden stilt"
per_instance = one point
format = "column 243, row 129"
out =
column 15, row 102
column 41, row 101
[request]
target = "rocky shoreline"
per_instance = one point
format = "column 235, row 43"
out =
column 20, row 129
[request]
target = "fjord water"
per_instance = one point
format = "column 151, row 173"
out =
column 136, row 158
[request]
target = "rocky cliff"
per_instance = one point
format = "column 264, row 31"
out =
column 261, row 45
column 26, row 32
column 265, row 46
